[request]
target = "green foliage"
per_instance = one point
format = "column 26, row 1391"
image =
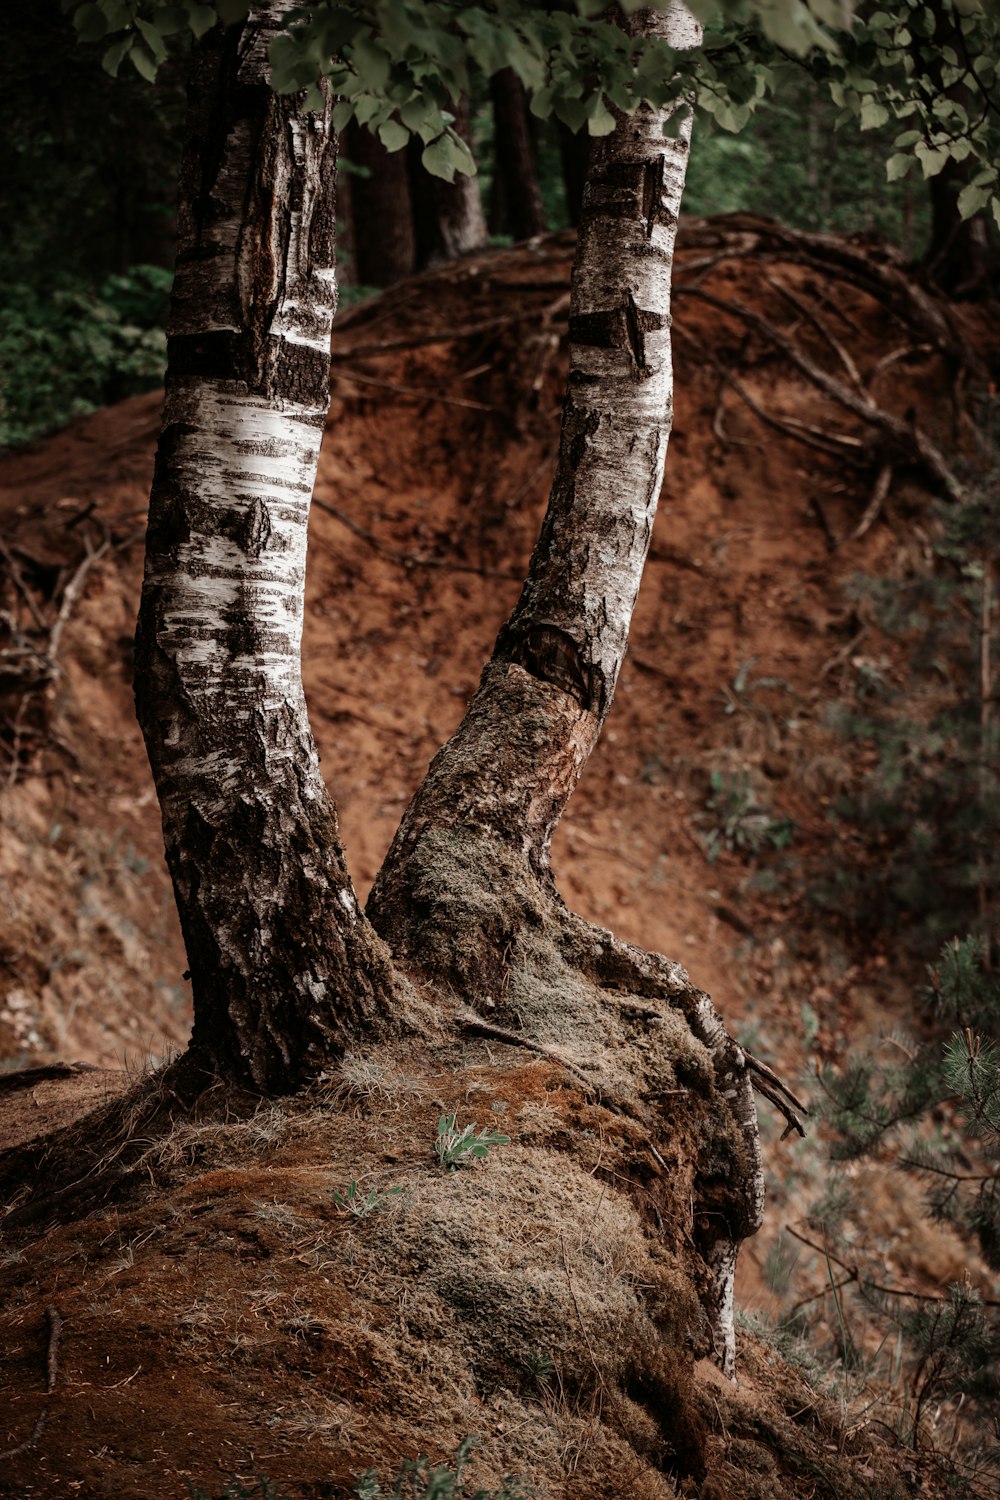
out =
column 740, row 824
column 929, row 808
column 235, row 1490
column 932, row 68
column 396, row 65
column 352, row 1200
column 418, row 1479
column 66, row 353
column 457, row 1148
column 934, row 1112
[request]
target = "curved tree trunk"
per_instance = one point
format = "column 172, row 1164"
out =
column 448, row 219
column 381, row 214
column 515, row 157
column 465, row 892
column 284, row 968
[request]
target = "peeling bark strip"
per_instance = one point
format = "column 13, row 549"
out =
column 283, row 967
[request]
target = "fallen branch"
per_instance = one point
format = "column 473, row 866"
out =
column 412, row 390
column 773, row 1088
column 873, row 509
column 71, row 594
column 408, row 559
column 833, row 445
column 479, row 1027
column 20, row 585
column 51, row 1372
column 905, row 435
column 853, row 1274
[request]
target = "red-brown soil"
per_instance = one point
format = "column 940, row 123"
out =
column 211, row 1331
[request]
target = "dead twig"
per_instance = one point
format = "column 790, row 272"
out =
column 408, row 559
column 906, row 435
column 873, row 509
column 19, row 583
column 55, row 1323
column 854, row 1274
column 815, row 321
column 479, row 1027
column 412, row 390
column 773, row 1088
column 834, row 445
column 71, row 594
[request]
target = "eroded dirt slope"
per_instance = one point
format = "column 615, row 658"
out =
column 441, row 442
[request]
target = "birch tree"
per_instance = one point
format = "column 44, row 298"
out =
column 286, row 971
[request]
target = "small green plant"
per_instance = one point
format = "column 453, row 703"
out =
column 352, row 1200
column 419, row 1480
column 740, row 823
column 538, row 1368
column 458, row 1148
column 235, row 1490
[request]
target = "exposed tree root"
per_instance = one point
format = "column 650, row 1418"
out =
column 469, row 912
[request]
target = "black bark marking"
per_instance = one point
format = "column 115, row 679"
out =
column 619, row 328
column 652, row 192
column 255, row 529
column 549, row 653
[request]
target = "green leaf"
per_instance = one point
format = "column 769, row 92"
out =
column 897, row 166
column 201, row 18
column 393, row 135
column 371, row 62
column 152, row 38
column 231, row 11
column 90, row 23
column 144, row 65
column 972, row 198
column 439, row 159
column 600, row 120
column 112, row 59
column 343, row 113
column 872, row 115
column 931, row 158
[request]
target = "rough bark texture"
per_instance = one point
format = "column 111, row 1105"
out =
column 381, row 213
column 284, row 968
column 515, row 157
column 448, row 219
column 465, row 891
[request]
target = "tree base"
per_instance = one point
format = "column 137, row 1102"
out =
column 466, row 911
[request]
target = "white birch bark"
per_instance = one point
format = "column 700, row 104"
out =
column 283, row 966
column 502, row 781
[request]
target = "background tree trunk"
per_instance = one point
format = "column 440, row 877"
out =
column 381, row 212
column 574, row 154
column 448, row 218
column 465, row 891
column 283, row 966
column 516, row 174
column 959, row 258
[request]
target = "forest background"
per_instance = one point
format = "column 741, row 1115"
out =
column 92, row 279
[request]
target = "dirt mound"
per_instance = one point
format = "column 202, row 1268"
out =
column 238, row 1321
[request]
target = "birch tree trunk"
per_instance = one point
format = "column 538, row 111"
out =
column 284, row 967
column 465, row 893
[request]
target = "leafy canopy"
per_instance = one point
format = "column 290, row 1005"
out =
column 397, row 65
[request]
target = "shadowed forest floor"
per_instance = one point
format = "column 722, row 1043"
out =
column 236, row 1321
